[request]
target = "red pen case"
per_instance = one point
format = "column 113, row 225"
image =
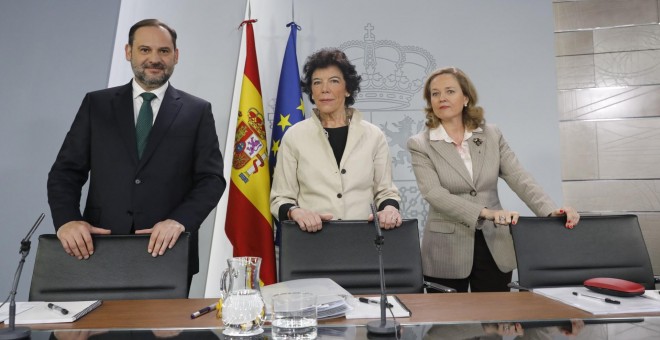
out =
column 615, row 287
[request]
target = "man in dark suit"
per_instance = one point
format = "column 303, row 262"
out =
column 160, row 180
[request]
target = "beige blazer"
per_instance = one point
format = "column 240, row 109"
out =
column 307, row 174
column 455, row 200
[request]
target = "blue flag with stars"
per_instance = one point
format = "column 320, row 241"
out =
column 289, row 104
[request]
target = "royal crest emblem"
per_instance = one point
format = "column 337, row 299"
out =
column 249, row 144
column 398, row 138
column 392, row 74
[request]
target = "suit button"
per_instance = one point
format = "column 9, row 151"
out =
column 343, row 171
column 473, row 193
column 138, row 181
column 338, row 195
column 129, row 212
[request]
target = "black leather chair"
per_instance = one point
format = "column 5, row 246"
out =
column 550, row 255
column 344, row 251
column 120, row 268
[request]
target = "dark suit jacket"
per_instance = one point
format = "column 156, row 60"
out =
column 179, row 176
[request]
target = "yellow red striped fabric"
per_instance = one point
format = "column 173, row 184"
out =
column 249, row 224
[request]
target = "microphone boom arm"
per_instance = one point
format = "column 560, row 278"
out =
column 22, row 332
column 383, row 326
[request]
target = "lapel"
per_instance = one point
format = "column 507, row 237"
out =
column 355, row 131
column 169, row 109
column 449, row 153
column 122, row 106
column 478, row 152
column 324, row 145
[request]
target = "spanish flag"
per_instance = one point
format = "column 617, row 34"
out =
column 249, row 222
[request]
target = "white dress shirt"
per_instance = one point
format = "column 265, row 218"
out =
column 463, row 149
column 155, row 103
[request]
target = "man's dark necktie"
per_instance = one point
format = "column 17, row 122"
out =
column 144, row 121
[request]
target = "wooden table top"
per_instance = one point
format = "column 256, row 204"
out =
column 425, row 308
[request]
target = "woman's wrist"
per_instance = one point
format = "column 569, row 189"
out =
column 388, row 202
column 283, row 211
column 291, row 209
column 486, row 214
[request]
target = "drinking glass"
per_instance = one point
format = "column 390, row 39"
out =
column 294, row 316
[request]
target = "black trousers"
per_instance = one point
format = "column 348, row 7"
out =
column 484, row 277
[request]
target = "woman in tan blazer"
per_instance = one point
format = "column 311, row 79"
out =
column 457, row 161
column 333, row 165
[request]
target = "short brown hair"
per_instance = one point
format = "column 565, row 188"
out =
column 325, row 58
column 152, row 23
column 473, row 115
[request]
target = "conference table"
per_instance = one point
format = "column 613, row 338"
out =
column 434, row 316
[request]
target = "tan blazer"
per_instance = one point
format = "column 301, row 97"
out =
column 307, row 174
column 456, row 200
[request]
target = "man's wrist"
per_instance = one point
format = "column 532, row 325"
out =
column 177, row 223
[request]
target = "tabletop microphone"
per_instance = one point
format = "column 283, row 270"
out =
column 382, row 326
column 12, row 332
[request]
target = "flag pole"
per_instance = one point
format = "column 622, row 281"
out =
column 221, row 248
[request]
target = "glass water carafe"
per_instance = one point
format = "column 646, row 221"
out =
column 243, row 308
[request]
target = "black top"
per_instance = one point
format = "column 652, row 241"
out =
column 337, row 138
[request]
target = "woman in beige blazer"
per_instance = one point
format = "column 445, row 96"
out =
column 333, row 165
column 457, row 161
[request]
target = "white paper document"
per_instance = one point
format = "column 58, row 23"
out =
column 330, row 296
column 362, row 310
column 595, row 303
column 20, row 308
column 38, row 312
column 331, row 306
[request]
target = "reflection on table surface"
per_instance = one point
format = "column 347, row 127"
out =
column 611, row 328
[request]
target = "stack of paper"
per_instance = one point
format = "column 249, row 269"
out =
column 330, row 296
column 595, row 302
column 39, row 312
column 330, row 306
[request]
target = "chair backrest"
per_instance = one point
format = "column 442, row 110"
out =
column 120, row 268
column 550, row 255
column 344, row 251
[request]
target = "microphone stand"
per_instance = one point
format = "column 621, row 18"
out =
column 383, row 326
column 21, row 332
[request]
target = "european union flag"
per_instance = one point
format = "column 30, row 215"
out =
column 289, row 104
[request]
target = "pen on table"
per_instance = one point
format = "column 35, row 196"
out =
column 58, row 308
column 202, row 311
column 365, row 300
column 608, row 300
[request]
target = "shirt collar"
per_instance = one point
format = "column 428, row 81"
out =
column 159, row 92
column 439, row 133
